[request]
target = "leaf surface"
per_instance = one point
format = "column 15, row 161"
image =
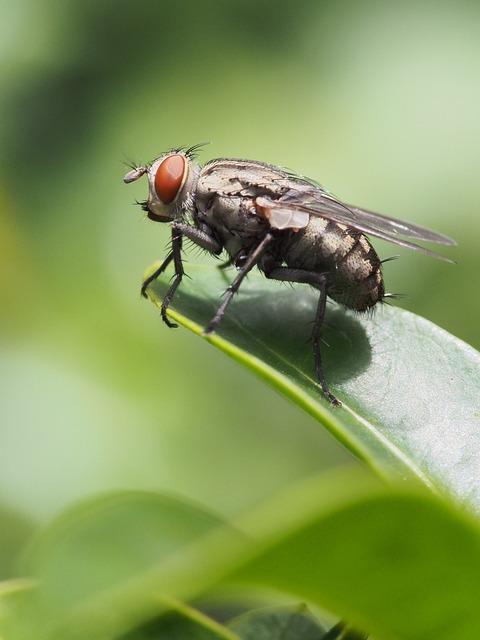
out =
column 409, row 390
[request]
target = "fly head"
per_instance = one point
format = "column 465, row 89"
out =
column 171, row 181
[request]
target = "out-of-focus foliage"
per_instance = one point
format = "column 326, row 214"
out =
column 395, row 562
column 377, row 101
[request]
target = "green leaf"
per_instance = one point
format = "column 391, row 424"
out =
column 398, row 564
column 410, row 391
column 280, row 623
column 288, row 623
column 181, row 623
column 115, row 552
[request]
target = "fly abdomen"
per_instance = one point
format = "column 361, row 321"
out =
column 345, row 256
column 356, row 281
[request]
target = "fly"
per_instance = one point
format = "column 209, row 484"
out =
column 285, row 224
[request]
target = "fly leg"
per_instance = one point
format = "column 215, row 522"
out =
column 175, row 255
column 319, row 281
column 148, row 281
column 179, row 230
column 203, row 237
column 249, row 263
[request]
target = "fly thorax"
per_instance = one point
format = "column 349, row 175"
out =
column 234, row 221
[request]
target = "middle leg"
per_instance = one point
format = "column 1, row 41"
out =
column 319, row 281
column 249, row 263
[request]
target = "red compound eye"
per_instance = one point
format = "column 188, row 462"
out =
column 169, row 177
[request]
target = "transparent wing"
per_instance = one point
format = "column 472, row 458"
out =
column 322, row 204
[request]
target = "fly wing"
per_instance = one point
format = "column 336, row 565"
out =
column 322, row 204
column 386, row 224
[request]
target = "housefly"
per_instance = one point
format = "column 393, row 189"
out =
column 285, row 224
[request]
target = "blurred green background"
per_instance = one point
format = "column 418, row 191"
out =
column 378, row 101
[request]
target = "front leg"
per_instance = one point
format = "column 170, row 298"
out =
column 319, row 281
column 179, row 273
column 175, row 255
column 148, row 281
column 203, row 239
column 200, row 237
